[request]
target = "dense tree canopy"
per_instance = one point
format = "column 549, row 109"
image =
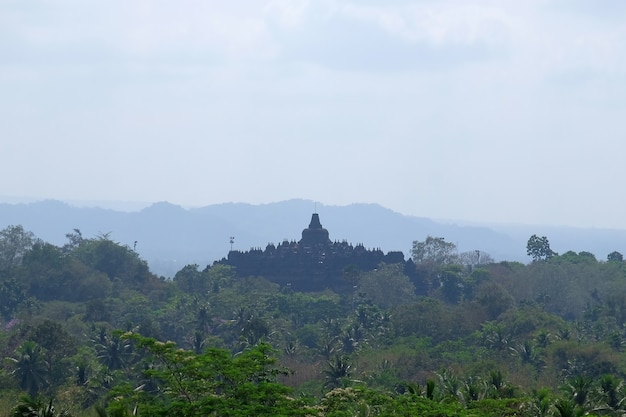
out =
column 434, row 250
column 87, row 329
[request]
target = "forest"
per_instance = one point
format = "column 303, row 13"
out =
column 86, row 329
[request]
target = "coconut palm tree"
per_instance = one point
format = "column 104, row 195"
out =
column 543, row 339
column 31, row 368
column 113, row 352
column 541, row 402
column 497, row 387
column 449, row 384
column 352, row 339
column 473, row 389
column 610, row 395
column 578, row 389
column 331, row 326
column 565, row 408
column 327, row 347
column 338, row 370
column 29, row 407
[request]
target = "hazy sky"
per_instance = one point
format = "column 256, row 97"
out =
column 507, row 111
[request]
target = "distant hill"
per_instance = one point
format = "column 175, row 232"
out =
column 170, row 237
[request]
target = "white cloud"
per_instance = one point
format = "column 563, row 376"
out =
column 288, row 13
column 475, row 109
column 437, row 23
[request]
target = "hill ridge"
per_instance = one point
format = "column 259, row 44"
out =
column 170, row 236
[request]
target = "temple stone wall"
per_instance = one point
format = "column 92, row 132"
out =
column 314, row 263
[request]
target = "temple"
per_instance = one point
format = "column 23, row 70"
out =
column 314, row 263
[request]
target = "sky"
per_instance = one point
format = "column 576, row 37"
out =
column 484, row 111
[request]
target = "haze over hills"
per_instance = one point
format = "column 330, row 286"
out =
column 169, row 237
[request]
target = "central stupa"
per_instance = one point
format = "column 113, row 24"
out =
column 315, row 234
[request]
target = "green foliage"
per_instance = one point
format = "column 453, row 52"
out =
column 113, row 351
column 576, row 258
column 15, row 242
column 387, row 286
column 56, row 345
column 189, row 384
column 541, row 339
column 118, row 262
column 191, row 280
column 304, row 308
column 12, row 295
column 538, row 248
column 30, row 368
column 337, row 372
column 360, row 401
column 500, row 408
column 451, row 283
column 431, row 318
column 433, row 251
column 37, row 407
column 615, row 256
column 494, row 298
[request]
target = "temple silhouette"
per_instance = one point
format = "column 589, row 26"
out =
column 314, row 263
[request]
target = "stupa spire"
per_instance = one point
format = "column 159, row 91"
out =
column 315, row 234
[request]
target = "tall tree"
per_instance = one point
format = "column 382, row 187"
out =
column 12, row 294
column 14, row 243
column 30, row 367
column 434, row 250
column 113, row 351
column 539, row 249
column 339, row 369
column 615, row 256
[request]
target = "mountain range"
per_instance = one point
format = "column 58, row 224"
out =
column 169, row 237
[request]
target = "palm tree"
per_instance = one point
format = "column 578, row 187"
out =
column 383, row 321
column 544, row 338
column 578, row 389
column 197, row 342
column 564, row 334
column 326, row 347
column 338, row 370
column 449, row 384
column 528, row 354
column 348, row 343
column 610, row 395
column 541, row 402
column 566, row 408
column 31, row 368
column 291, row 347
column 113, row 352
column 331, row 326
column 363, row 316
column 497, row 385
column 352, row 339
column 29, row 407
column 473, row 389
column 254, row 331
column 494, row 336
